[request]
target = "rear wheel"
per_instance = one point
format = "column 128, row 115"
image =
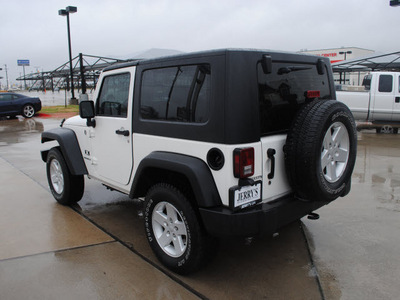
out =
column 28, row 111
column 387, row 129
column 173, row 230
column 66, row 188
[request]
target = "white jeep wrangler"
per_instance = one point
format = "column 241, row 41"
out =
column 217, row 143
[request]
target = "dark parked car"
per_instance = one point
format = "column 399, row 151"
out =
column 12, row 104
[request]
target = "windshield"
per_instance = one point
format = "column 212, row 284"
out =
column 284, row 90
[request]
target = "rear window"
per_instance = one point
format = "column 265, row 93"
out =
column 284, row 90
column 385, row 83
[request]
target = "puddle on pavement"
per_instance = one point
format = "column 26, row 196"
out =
column 378, row 168
column 15, row 130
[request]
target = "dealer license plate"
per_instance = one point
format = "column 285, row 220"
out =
column 246, row 196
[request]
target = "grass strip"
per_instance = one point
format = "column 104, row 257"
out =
column 60, row 109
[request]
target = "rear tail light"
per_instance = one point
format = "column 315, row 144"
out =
column 313, row 94
column 243, row 161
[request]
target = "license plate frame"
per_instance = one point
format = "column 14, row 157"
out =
column 245, row 196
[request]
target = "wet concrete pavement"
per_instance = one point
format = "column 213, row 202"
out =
column 357, row 242
column 98, row 249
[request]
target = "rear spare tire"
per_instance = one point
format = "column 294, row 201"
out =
column 320, row 151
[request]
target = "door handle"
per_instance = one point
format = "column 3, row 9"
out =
column 122, row 132
column 397, row 99
column 271, row 155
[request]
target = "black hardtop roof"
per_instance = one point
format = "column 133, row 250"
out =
column 205, row 54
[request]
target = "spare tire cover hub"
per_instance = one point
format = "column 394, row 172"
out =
column 335, row 152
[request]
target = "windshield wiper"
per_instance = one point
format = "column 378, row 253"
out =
column 287, row 70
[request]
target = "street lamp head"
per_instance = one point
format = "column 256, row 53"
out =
column 71, row 9
column 62, row 12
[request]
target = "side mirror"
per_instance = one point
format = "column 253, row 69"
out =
column 86, row 111
column 266, row 64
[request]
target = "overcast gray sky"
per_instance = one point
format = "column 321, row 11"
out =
column 32, row 29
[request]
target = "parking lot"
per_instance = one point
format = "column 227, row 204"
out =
column 97, row 249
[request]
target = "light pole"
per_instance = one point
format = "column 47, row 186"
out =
column 345, row 57
column 8, row 86
column 66, row 12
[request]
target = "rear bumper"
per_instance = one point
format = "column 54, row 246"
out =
column 265, row 218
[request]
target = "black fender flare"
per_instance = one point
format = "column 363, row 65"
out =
column 194, row 169
column 70, row 149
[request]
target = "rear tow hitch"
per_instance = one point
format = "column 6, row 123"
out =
column 313, row 216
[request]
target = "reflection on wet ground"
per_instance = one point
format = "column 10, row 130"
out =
column 16, row 129
column 378, row 167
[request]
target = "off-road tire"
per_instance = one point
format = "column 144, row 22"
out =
column 174, row 231
column 321, row 129
column 66, row 188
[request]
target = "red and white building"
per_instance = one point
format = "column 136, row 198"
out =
column 341, row 54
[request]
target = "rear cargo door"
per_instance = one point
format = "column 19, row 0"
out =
column 275, row 183
column 283, row 89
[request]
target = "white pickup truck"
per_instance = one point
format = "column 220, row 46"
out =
column 378, row 103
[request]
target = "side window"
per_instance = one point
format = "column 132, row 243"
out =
column 114, row 94
column 385, row 83
column 179, row 94
column 5, row 97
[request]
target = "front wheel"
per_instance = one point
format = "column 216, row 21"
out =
column 174, row 231
column 66, row 188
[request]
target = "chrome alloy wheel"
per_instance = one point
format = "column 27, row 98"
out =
column 57, row 177
column 29, row 111
column 387, row 129
column 169, row 229
column 335, row 152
